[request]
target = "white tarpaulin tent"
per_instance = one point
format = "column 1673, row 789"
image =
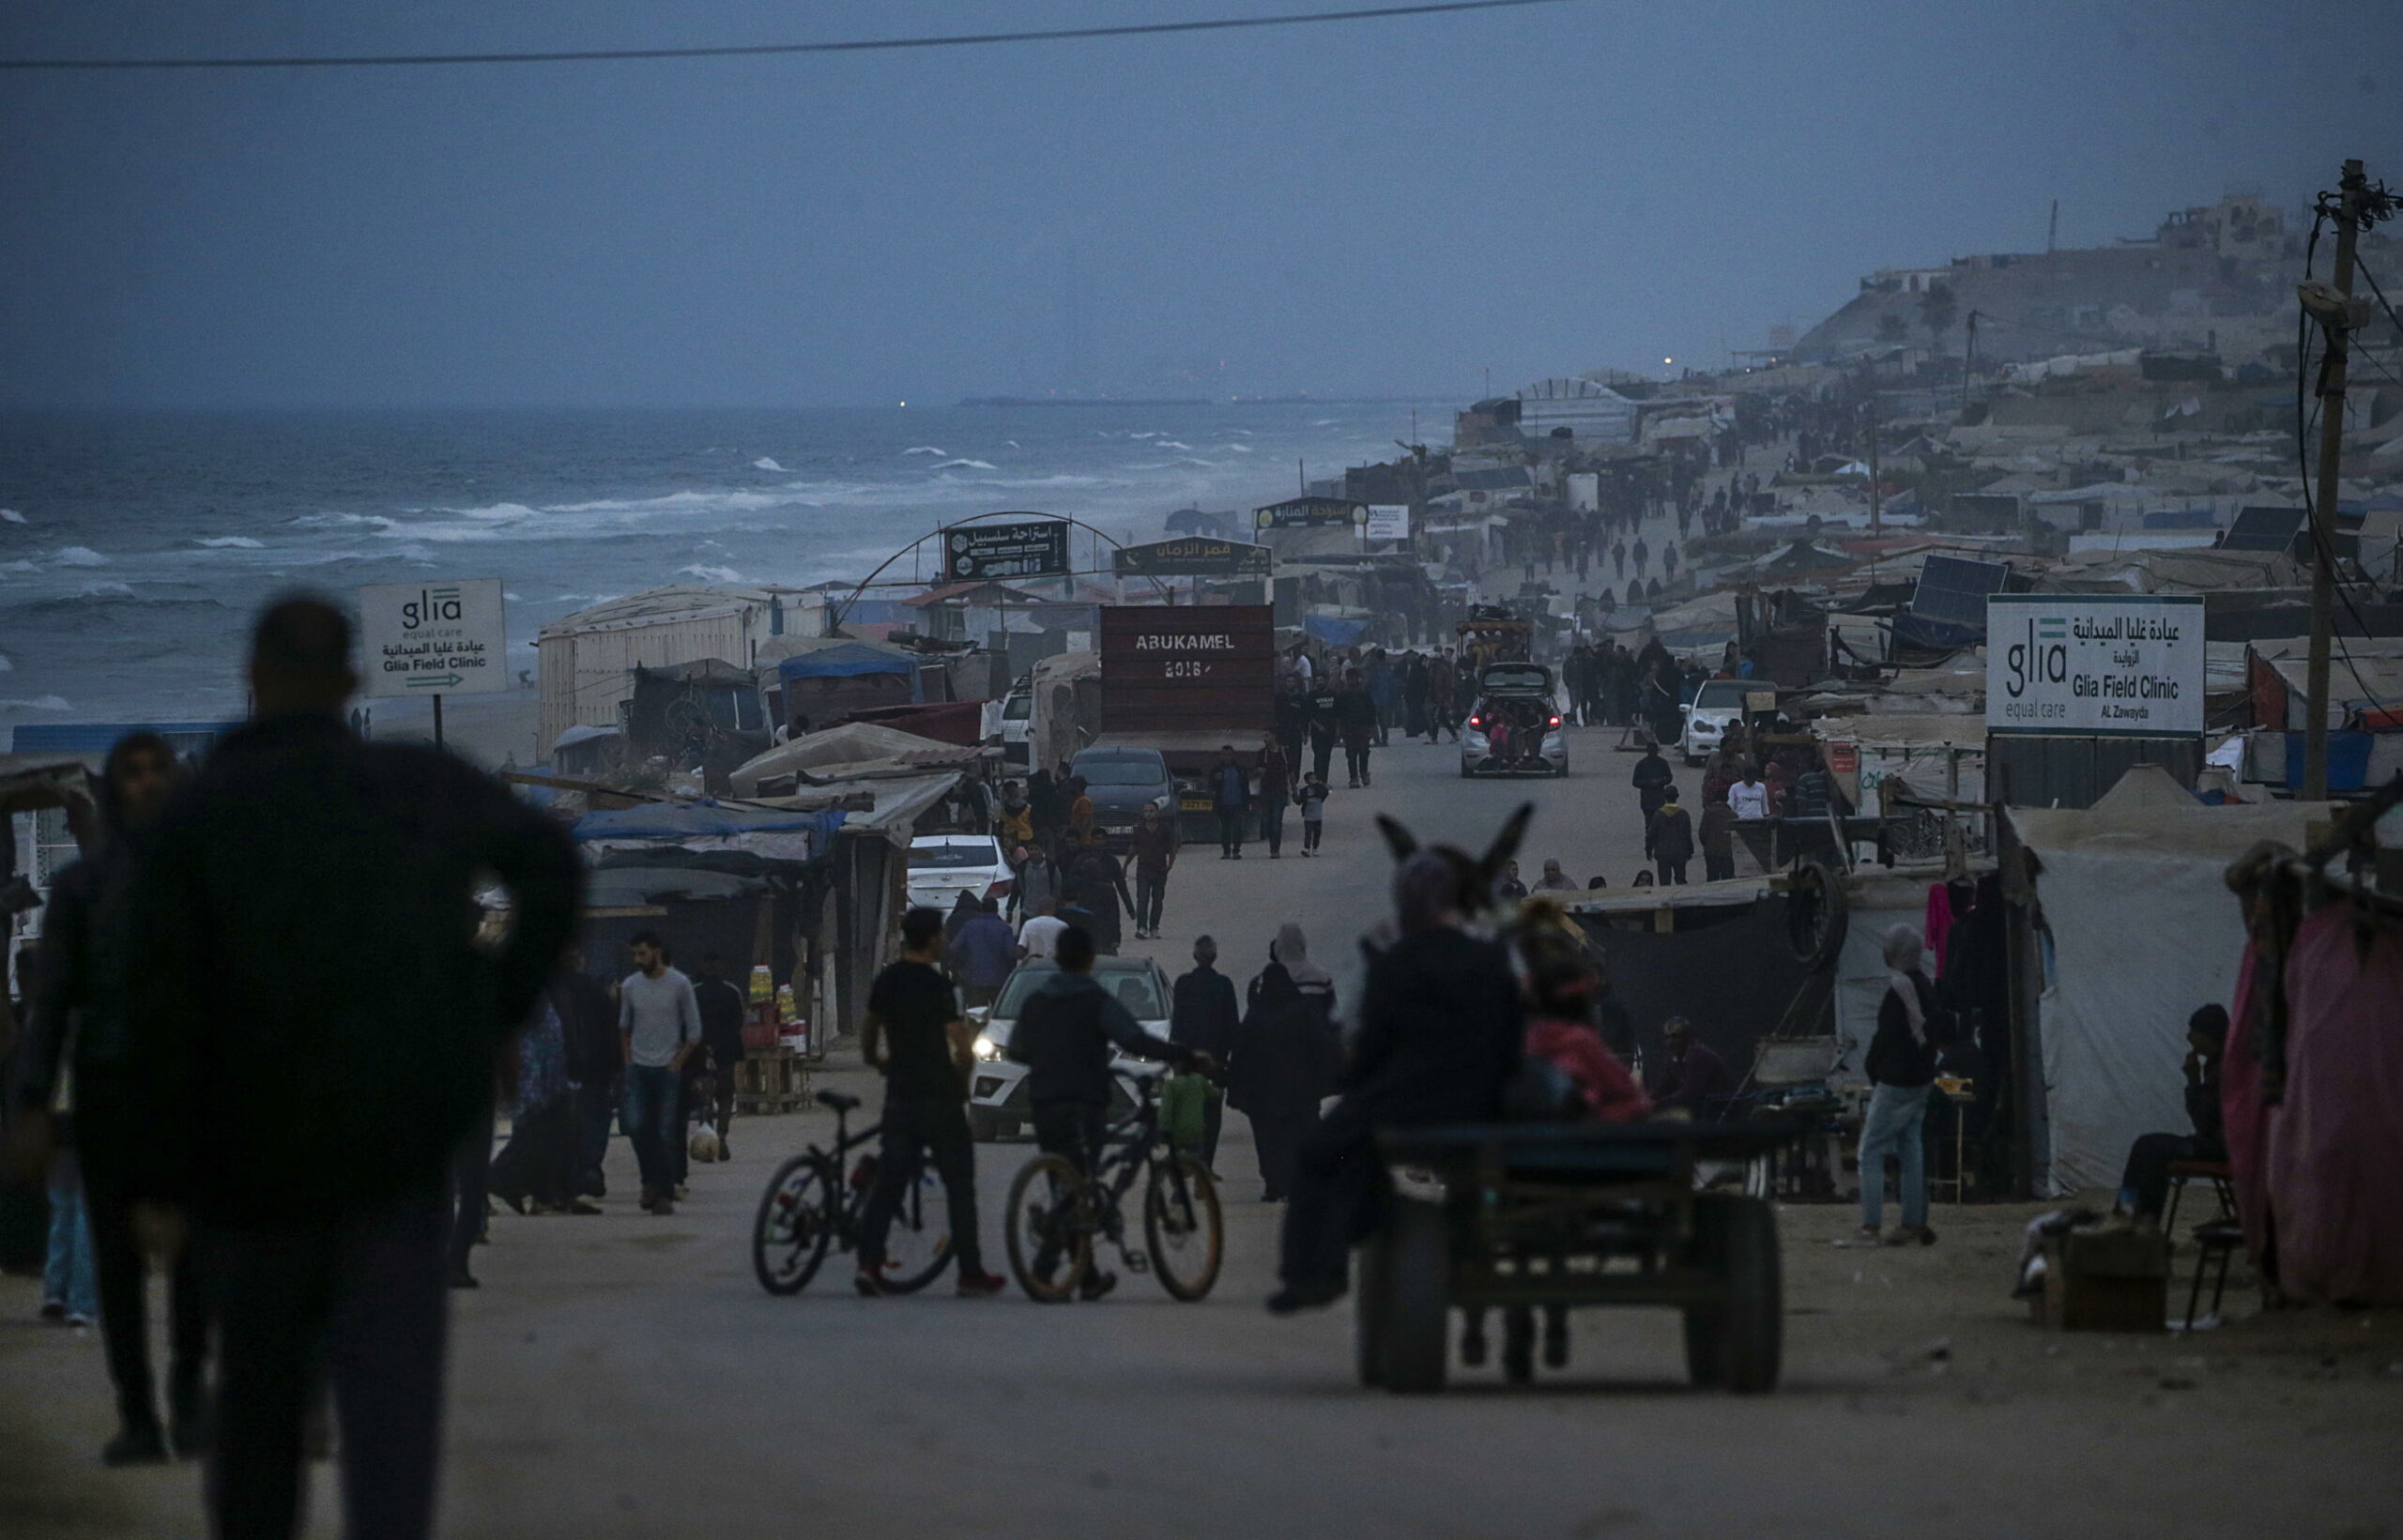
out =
column 2142, row 930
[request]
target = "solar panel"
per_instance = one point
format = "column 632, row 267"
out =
column 1954, row 591
column 2265, row 530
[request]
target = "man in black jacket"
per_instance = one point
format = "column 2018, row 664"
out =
column 1203, row 1017
column 595, row 1059
column 80, row 994
column 1063, row 1036
column 1441, row 1026
column 318, row 1017
column 723, row 1006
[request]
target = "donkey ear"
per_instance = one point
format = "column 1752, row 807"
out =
column 1506, row 844
column 1399, row 840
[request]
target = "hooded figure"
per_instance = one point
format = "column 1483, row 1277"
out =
column 1439, row 1039
column 1284, row 1063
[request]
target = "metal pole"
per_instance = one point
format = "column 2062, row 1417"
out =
column 438, row 722
column 2351, row 187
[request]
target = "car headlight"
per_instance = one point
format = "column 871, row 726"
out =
column 986, row 1047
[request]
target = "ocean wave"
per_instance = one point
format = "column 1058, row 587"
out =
column 710, row 574
column 1240, row 449
column 105, row 590
column 38, row 703
column 232, row 542
column 966, row 464
column 925, row 449
column 1171, row 444
column 766, row 462
column 7, row 666
column 340, row 521
column 77, row 556
column 10, row 515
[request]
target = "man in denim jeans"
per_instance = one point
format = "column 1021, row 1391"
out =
column 659, row 1023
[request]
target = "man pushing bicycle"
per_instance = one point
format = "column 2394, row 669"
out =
column 1063, row 1037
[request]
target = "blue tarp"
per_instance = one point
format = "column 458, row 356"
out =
column 1334, row 629
column 2348, row 759
column 704, row 819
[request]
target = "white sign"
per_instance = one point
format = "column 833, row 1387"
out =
column 2082, row 665
column 1584, row 491
column 439, row 638
column 1388, row 521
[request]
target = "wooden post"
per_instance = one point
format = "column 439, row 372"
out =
column 2352, row 188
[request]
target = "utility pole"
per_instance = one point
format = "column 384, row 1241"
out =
column 2053, row 228
column 2355, row 203
column 1876, row 503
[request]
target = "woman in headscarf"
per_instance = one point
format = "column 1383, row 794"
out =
column 1283, row 1063
column 538, row 1163
column 1901, row 1064
column 1563, row 990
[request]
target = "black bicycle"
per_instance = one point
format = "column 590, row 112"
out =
column 1057, row 1215
column 812, row 1202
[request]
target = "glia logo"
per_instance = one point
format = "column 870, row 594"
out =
column 433, row 604
column 2040, row 658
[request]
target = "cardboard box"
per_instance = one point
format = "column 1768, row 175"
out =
column 2105, row 1281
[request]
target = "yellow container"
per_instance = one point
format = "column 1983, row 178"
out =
column 763, row 984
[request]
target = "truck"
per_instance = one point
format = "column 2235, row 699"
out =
column 1187, row 680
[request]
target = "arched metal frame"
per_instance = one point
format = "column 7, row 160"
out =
column 870, row 581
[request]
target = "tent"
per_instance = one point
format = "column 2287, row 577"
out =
column 855, row 749
column 2135, row 929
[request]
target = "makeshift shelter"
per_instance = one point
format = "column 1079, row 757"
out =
column 828, row 678
column 2127, row 925
column 855, row 751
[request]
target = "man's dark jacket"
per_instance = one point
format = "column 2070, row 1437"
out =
column 316, row 1017
column 1062, row 1037
column 1441, row 1028
column 1204, row 1016
column 79, row 994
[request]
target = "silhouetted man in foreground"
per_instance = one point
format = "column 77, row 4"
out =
column 318, row 1026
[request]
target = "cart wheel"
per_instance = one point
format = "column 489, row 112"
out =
column 1370, row 1275
column 1735, row 1345
column 1519, row 1344
column 1418, row 1268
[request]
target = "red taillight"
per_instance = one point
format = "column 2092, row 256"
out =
column 1553, row 723
column 1000, row 890
column 1477, row 722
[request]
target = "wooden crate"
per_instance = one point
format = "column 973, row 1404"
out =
column 771, row 1080
column 2105, row 1281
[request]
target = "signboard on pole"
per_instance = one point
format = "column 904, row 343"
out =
column 438, row 638
column 975, row 552
column 1388, row 521
column 1190, row 555
column 1310, row 514
column 2127, row 665
column 1181, row 668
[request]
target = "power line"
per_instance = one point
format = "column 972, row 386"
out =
column 760, row 50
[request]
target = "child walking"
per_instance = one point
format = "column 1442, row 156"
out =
column 1313, row 800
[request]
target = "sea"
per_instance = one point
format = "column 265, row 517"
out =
column 134, row 547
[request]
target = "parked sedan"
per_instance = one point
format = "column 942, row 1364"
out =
column 1516, row 728
column 943, row 867
column 1123, row 780
column 997, row 1102
column 1717, row 705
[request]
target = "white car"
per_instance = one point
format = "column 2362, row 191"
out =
column 1017, row 717
column 943, row 867
column 1715, row 707
column 997, row 1102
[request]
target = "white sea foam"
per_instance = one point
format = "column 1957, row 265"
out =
column 38, row 703
column 232, row 542
column 77, row 556
column 340, row 521
column 926, row 449
column 1171, row 444
column 106, row 590
column 710, row 574
column 1239, row 448
column 966, row 465
column 10, row 515
column 7, row 666
column 765, row 462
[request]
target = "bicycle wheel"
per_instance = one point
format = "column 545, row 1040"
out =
column 918, row 1243
column 1180, row 1226
column 1050, row 1235
column 790, row 1237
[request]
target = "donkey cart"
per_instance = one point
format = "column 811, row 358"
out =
column 1535, row 1219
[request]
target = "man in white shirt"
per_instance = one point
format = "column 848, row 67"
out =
column 1749, row 797
column 659, row 1023
column 1039, row 938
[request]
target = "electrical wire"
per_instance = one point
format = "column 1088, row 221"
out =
column 1051, row 34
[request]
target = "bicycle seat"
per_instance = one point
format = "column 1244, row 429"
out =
column 838, row 1100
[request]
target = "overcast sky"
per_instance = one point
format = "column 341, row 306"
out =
column 1391, row 206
